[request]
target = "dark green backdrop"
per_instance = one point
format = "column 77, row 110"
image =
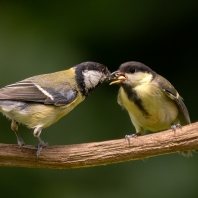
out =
column 47, row 36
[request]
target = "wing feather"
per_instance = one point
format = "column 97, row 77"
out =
column 172, row 93
column 32, row 92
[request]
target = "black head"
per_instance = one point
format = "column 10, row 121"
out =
column 132, row 74
column 133, row 67
column 89, row 75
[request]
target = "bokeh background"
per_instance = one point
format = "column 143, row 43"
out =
column 46, row 36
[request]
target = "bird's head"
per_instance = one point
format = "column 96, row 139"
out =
column 132, row 74
column 89, row 75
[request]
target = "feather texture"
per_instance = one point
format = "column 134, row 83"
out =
column 31, row 91
column 172, row 93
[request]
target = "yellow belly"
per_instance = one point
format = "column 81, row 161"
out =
column 35, row 114
column 161, row 109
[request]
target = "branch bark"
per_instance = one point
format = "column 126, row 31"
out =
column 101, row 153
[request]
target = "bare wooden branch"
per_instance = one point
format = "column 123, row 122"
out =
column 101, row 153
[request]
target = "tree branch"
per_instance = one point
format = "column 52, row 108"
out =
column 101, row 153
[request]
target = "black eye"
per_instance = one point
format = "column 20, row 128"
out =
column 132, row 70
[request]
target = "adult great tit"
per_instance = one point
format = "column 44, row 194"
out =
column 40, row 101
column 152, row 102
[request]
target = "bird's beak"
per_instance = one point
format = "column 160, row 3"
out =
column 117, row 77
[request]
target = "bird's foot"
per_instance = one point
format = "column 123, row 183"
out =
column 20, row 142
column 174, row 127
column 128, row 137
column 186, row 153
column 41, row 145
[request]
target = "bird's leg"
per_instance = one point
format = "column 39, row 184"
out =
column 42, row 144
column 186, row 153
column 127, row 137
column 14, row 127
column 175, row 126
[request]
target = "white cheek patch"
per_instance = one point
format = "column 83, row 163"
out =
column 92, row 78
column 139, row 78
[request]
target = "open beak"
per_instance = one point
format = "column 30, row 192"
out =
column 117, row 77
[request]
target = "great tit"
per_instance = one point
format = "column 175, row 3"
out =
column 40, row 101
column 152, row 102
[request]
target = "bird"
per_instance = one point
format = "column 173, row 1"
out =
column 153, row 104
column 40, row 101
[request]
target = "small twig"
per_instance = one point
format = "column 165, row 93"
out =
column 101, row 153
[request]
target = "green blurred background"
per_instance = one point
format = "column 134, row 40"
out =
column 47, row 36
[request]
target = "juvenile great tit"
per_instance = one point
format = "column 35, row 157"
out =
column 152, row 102
column 40, row 101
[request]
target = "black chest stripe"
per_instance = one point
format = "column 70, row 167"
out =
column 133, row 96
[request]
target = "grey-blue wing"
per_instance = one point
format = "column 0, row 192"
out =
column 32, row 92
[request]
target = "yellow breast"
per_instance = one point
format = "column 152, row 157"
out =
column 162, row 111
column 36, row 114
